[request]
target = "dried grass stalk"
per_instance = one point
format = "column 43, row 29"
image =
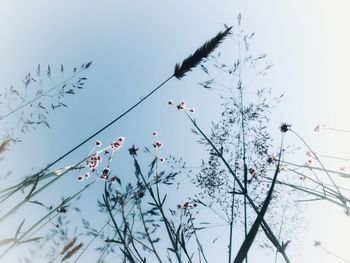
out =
column 201, row 53
column 3, row 145
column 68, row 245
column 72, row 252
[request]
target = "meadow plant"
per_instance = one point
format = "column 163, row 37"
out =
column 239, row 180
column 41, row 93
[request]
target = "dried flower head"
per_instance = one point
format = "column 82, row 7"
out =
column 105, row 173
column 285, row 127
column 133, row 150
column 270, row 159
column 317, row 243
column 252, row 171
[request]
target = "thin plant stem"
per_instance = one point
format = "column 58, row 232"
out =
column 199, row 244
column 106, row 126
column 127, row 228
column 231, row 223
column 158, row 203
column 280, row 231
column 334, row 255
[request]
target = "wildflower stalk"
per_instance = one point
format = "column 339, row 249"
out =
column 268, row 231
column 158, row 203
column 199, row 244
column 126, row 230
column 245, row 168
column 325, row 170
column 231, row 223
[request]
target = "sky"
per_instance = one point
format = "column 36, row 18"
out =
column 134, row 46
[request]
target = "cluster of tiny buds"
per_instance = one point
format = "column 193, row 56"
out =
column 93, row 162
column 157, row 144
column 181, row 106
column 252, row 172
column 82, row 177
column 117, row 144
column 308, row 163
column 187, row 205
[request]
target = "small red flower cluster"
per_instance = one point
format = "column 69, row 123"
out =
column 181, row 106
column 93, row 162
column 187, row 205
column 82, row 177
column 158, row 145
column 116, row 145
column 252, row 171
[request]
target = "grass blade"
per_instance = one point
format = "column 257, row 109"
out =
column 243, row 251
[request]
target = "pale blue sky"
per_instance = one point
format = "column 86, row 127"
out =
column 135, row 45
